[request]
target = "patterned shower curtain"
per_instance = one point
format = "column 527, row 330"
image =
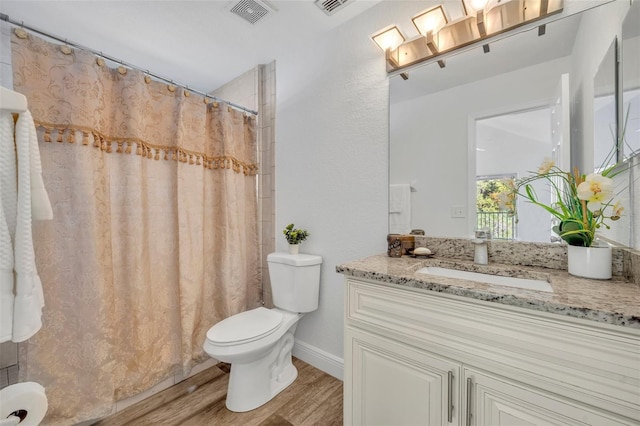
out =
column 155, row 230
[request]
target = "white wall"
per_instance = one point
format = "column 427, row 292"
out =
column 332, row 164
column 430, row 139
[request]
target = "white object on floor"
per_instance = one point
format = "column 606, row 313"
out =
column 258, row 343
column 28, row 400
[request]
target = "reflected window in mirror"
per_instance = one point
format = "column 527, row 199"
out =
column 490, row 213
column 513, row 145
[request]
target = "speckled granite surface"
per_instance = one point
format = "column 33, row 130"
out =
column 615, row 301
column 545, row 255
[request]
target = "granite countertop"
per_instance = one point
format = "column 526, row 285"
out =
column 615, row 301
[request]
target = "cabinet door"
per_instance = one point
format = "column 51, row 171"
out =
column 495, row 401
column 389, row 383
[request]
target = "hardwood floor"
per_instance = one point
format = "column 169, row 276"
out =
column 315, row 398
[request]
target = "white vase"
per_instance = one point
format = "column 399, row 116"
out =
column 589, row 262
column 293, row 248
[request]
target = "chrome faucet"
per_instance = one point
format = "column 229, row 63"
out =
column 481, row 253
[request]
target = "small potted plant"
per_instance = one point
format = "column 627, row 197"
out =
column 294, row 237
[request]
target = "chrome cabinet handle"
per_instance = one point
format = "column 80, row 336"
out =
column 469, row 386
column 450, row 397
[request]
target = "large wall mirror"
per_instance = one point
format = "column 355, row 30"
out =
column 456, row 132
column 629, row 117
column 630, row 111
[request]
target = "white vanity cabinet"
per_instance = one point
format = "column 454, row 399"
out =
column 396, row 384
column 416, row 357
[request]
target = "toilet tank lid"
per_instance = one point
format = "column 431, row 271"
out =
column 294, row 259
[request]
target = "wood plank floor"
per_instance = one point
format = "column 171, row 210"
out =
column 315, row 398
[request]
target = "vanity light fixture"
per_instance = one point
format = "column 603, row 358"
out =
column 431, row 43
column 483, row 20
column 388, row 38
column 430, row 21
column 478, row 8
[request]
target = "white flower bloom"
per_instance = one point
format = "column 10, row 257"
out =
column 596, row 190
column 546, row 166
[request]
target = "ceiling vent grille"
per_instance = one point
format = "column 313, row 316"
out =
column 251, row 11
column 332, row 6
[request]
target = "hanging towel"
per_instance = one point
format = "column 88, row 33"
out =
column 20, row 285
column 8, row 200
column 399, row 208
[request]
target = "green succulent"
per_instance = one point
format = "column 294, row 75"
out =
column 295, row 236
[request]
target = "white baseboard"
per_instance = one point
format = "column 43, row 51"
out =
column 320, row 359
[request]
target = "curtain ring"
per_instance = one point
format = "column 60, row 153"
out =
column 65, row 48
column 20, row 33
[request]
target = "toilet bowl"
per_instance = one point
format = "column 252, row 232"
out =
column 258, row 343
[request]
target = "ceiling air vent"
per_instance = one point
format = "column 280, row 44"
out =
column 251, row 11
column 332, row 6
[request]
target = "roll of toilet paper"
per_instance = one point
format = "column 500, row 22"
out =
column 27, row 400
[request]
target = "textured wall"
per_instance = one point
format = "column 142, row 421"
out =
column 332, row 162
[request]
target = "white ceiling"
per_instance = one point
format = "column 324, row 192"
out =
column 197, row 43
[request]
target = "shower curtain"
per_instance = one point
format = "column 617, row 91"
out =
column 155, row 230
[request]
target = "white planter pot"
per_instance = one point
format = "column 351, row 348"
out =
column 590, row 262
column 294, row 248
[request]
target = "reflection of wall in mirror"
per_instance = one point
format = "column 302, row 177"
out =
column 598, row 28
column 604, row 111
column 429, row 139
column 630, row 61
column 631, row 79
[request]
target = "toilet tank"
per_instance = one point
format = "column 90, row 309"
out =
column 295, row 281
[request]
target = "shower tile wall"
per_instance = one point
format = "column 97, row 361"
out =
column 256, row 89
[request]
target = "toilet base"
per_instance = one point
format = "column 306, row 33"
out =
column 253, row 384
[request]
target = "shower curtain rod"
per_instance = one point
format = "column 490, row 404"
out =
column 21, row 24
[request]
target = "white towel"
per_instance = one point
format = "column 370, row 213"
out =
column 25, row 319
column 8, row 200
column 399, row 208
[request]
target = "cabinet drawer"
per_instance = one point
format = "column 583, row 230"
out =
column 594, row 363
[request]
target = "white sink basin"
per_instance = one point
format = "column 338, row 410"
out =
column 525, row 283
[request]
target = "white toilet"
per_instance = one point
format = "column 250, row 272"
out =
column 258, row 343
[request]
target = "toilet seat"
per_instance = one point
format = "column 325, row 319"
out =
column 245, row 327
